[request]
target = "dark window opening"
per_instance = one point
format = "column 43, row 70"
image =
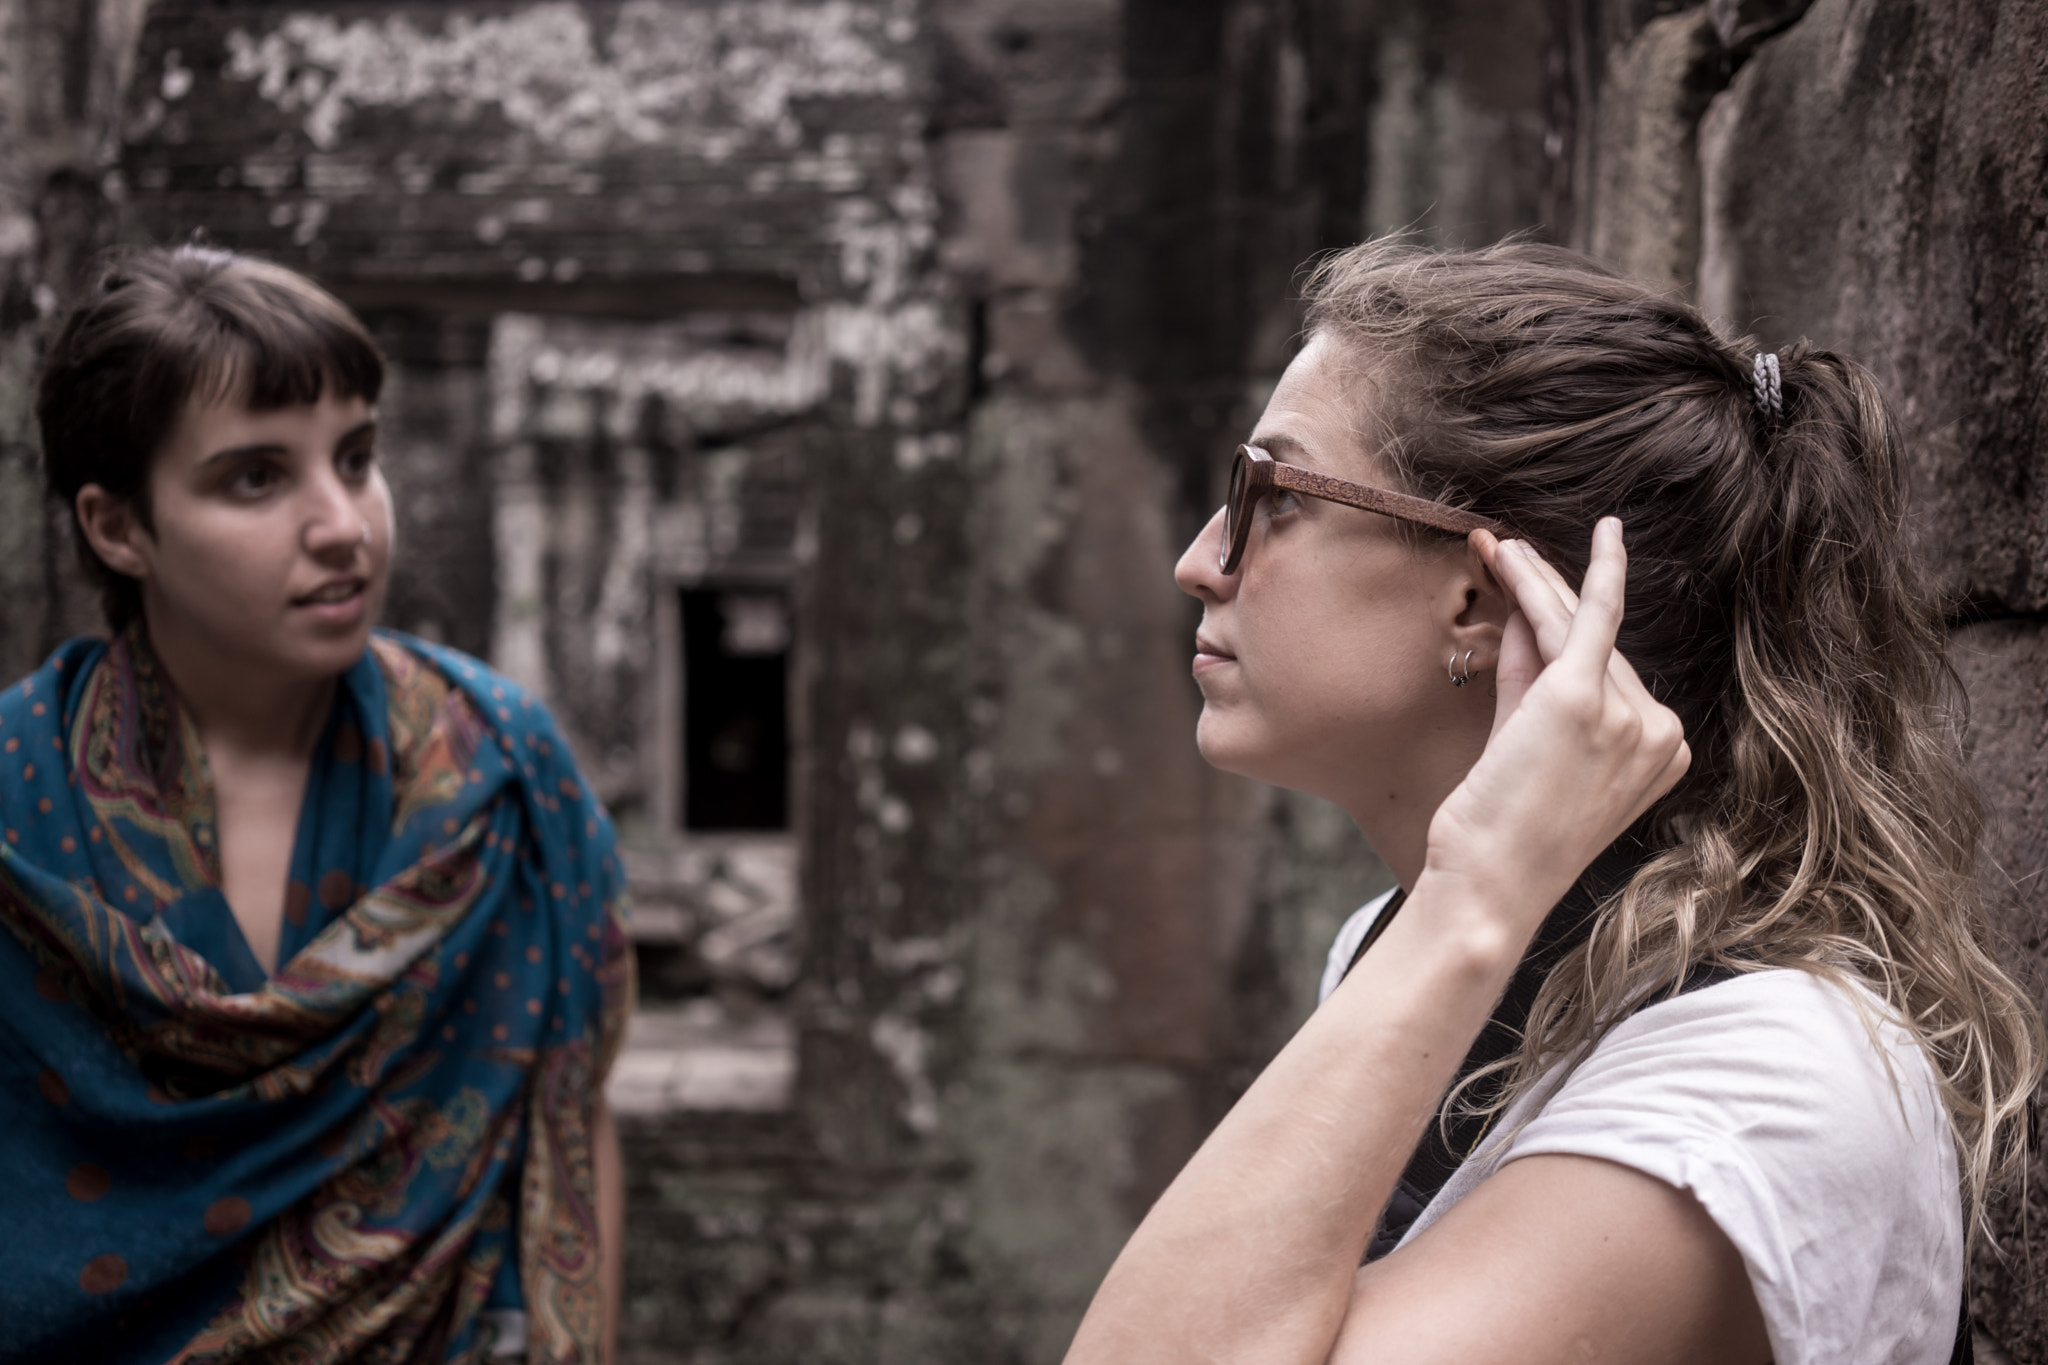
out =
column 735, row 709
column 977, row 350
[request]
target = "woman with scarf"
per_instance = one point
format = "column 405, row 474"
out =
column 314, row 953
column 1683, row 1038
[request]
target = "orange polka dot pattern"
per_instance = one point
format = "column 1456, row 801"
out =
column 226, row 1216
column 103, row 1274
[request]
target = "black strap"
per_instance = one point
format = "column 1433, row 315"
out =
column 1434, row 1159
column 1445, row 1144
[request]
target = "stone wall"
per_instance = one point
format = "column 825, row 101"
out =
column 936, row 321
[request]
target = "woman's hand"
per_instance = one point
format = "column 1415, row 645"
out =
column 1579, row 747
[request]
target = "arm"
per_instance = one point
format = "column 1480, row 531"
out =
column 1552, row 1253
column 1252, row 1253
column 611, row 1225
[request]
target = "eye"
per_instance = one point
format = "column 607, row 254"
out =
column 253, row 480
column 1280, row 502
column 357, row 461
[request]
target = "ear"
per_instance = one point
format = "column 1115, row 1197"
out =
column 113, row 530
column 1474, row 610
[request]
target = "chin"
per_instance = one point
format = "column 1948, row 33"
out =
column 328, row 657
column 1224, row 743
column 1301, row 764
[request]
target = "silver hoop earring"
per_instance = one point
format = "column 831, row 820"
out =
column 1459, row 671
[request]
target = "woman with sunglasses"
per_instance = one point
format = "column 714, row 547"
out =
column 1682, row 1038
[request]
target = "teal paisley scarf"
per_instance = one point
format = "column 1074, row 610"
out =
column 382, row 1151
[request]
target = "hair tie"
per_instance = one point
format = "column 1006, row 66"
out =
column 1770, row 394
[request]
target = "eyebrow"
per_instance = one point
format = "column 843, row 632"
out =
column 357, row 432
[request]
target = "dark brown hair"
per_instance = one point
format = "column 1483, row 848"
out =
column 1827, row 821
column 164, row 327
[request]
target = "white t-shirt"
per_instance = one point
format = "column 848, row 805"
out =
column 1826, row 1160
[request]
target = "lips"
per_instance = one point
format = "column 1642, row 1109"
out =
column 1210, row 655
column 332, row 593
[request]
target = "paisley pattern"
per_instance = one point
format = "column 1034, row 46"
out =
column 380, row 1152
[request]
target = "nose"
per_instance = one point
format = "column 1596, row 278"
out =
column 335, row 525
column 1199, row 573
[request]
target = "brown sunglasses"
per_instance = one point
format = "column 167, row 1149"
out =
column 1254, row 473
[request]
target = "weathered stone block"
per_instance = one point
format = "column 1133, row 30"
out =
column 1642, row 214
column 1872, row 180
column 1739, row 23
column 1456, row 129
column 2003, row 664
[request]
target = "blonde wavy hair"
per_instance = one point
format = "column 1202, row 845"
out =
column 1827, row 822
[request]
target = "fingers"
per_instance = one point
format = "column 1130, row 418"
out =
column 1517, row 670
column 1516, row 570
column 1618, row 667
column 1556, row 580
column 1559, row 621
column 1521, row 571
column 1598, row 619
